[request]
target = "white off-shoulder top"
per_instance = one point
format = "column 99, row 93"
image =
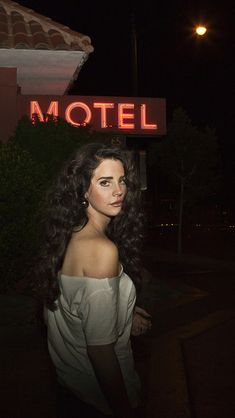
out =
column 92, row 311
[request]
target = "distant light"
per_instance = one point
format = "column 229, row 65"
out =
column 201, row 30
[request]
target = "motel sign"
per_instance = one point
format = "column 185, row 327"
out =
column 122, row 115
column 119, row 115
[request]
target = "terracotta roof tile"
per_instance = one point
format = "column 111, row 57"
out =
column 19, row 27
column 16, row 17
column 3, row 40
column 3, row 15
column 23, row 28
column 3, row 27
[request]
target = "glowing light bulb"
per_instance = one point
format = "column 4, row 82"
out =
column 201, row 30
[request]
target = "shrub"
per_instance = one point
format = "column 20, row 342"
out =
column 22, row 189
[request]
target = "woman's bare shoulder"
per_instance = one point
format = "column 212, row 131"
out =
column 94, row 257
column 103, row 259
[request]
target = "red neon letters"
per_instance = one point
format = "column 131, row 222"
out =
column 126, row 114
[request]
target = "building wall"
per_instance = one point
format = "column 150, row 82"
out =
column 8, row 102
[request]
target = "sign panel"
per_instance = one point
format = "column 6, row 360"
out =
column 123, row 115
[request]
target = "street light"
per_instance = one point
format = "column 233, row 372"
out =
column 201, row 30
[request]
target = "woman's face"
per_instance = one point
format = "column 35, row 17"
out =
column 107, row 189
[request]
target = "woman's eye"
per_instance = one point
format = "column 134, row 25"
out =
column 123, row 181
column 104, row 183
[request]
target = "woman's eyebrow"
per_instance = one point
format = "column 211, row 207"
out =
column 106, row 178
column 109, row 177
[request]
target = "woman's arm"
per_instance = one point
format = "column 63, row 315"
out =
column 109, row 375
column 141, row 322
column 100, row 317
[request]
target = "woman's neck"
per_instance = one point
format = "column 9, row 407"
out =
column 99, row 226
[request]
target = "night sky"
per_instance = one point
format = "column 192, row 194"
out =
column 192, row 72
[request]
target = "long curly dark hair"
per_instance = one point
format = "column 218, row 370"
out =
column 66, row 213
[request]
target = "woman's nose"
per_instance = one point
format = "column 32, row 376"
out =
column 117, row 190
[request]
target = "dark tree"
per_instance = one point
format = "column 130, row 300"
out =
column 188, row 157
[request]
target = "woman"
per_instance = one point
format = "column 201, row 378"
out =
column 92, row 242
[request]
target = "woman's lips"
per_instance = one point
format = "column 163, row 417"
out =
column 117, row 203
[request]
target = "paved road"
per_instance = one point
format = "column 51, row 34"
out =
column 190, row 350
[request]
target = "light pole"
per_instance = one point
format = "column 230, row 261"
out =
column 134, row 56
